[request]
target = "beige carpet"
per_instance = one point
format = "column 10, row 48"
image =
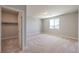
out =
column 44, row 43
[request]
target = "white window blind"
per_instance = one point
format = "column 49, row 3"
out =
column 54, row 23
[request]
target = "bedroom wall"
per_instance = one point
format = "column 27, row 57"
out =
column 33, row 25
column 33, row 22
column 68, row 26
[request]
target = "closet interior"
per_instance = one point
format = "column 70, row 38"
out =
column 10, row 41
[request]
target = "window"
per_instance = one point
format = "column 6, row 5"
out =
column 54, row 23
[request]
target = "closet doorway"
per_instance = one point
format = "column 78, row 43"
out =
column 11, row 29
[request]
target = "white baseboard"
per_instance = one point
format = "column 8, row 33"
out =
column 63, row 35
column 33, row 33
column 70, row 37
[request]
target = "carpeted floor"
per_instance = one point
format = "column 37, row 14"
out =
column 44, row 43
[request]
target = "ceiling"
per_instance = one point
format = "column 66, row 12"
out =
column 45, row 11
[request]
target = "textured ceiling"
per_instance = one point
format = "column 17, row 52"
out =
column 45, row 11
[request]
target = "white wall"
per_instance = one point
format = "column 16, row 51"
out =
column 33, row 22
column 68, row 26
column 33, row 25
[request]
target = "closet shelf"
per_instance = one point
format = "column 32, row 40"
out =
column 9, row 22
column 12, row 37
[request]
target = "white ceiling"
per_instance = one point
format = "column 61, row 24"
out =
column 44, row 11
